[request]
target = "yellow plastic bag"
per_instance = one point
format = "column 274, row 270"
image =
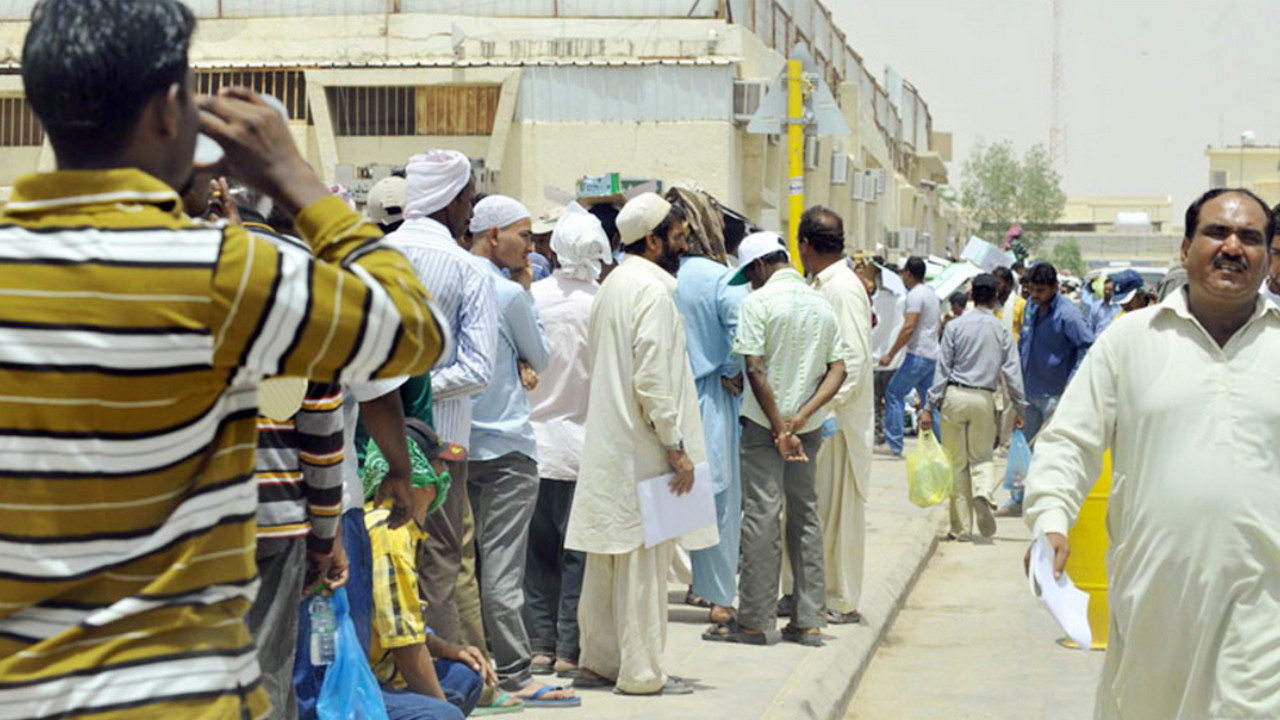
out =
column 929, row 478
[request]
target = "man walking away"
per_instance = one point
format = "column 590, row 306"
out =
column 919, row 337
column 1055, row 338
column 890, row 309
column 977, row 352
column 642, row 422
column 132, row 342
column 790, row 339
column 558, row 412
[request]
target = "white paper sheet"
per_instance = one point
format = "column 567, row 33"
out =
column 1067, row 604
column 667, row 516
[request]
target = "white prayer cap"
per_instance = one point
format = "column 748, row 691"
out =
column 641, row 215
column 754, row 247
column 546, row 220
column 433, row 180
column 497, row 211
column 580, row 244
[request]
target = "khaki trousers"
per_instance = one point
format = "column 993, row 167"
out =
column 622, row 615
column 968, row 435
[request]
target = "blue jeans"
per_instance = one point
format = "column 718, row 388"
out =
column 916, row 372
column 1039, row 410
column 306, row 677
column 461, row 686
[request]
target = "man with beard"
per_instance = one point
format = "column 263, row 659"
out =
column 642, row 422
column 1184, row 394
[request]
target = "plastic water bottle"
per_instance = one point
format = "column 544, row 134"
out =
column 324, row 630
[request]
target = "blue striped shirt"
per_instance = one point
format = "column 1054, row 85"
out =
column 464, row 291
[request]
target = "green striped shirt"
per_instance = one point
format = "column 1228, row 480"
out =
column 794, row 329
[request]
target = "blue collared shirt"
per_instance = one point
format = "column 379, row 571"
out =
column 1101, row 314
column 1052, row 344
column 709, row 305
column 500, row 414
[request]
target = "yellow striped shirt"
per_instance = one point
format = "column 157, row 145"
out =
column 132, row 340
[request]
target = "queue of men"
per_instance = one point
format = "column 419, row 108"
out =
column 458, row 460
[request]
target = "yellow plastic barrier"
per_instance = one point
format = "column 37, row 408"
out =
column 1087, row 564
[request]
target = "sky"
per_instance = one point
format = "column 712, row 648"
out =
column 1147, row 85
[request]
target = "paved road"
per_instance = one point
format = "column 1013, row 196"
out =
column 972, row 643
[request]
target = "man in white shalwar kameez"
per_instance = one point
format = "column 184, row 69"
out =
column 1187, row 396
column 843, row 478
column 642, row 422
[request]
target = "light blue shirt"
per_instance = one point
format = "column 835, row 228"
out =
column 709, row 305
column 500, row 415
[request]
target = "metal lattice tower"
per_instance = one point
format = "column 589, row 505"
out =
column 1058, row 110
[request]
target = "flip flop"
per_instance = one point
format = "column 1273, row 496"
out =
column 786, row 606
column 590, row 682
column 537, row 699
column 503, row 705
column 719, row 632
column 565, row 669
column 794, row 634
column 743, row 638
column 673, row 686
column 542, row 667
column 696, row 601
column 849, row 618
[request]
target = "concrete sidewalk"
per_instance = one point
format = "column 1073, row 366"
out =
column 786, row 681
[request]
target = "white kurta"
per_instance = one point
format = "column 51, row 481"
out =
column 843, row 477
column 642, row 398
column 1194, row 515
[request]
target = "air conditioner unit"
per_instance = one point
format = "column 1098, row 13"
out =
column 907, row 238
column 812, row 147
column 747, row 96
column 892, row 239
column 880, row 181
column 856, row 186
column 839, row 168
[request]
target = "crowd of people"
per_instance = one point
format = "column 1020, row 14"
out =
column 231, row 396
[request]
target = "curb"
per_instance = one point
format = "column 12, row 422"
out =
column 823, row 684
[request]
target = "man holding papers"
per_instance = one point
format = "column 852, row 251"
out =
column 1185, row 395
column 790, row 338
column 642, row 422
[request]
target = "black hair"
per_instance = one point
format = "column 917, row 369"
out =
column 1192, row 218
column 735, row 229
column 674, row 215
column 1042, row 273
column 89, row 67
column 823, row 229
column 959, row 298
column 607, row 214
column 916, row 268
column 1003, row 274
column 983, row 294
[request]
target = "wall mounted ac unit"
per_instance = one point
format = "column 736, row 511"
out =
column 747, row 96
column 839, row 168
column 856, row 186
column 812, row 146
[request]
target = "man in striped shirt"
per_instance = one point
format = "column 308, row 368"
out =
column 299, row 474
column 132, row 341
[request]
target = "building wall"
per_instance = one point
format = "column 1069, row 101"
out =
column 1102, row 209
column 1255, row 168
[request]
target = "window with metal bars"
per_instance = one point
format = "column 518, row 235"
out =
column 290, row 86
column 19, row 126
column 407, row 111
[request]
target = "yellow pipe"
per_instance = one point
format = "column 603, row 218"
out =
column 795, row 153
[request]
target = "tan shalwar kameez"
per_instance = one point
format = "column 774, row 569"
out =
column 1194, row 515
column 642, row 399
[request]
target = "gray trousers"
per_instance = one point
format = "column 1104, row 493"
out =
column 553, row 575
column 503, row 493
column 273, row 619
column 440, row 558
column 766, row 480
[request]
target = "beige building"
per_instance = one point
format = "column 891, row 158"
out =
column 1118, row 213
column 542, row 92
column 1253, row 167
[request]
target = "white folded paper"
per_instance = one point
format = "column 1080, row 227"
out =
column 667, row 515
column 1067, row 604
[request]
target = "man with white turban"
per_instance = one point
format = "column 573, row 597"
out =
column 503, row 468
column 438, row 196
column 642, row 422
column 553, row 575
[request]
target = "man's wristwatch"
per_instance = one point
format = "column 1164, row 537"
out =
column 678, row 447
